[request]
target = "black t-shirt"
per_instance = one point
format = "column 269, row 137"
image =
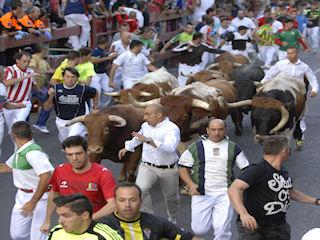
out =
column 70, row 103
column 267, row 198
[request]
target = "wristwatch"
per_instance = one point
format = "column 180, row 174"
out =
column 317, row 201
column 149, row 140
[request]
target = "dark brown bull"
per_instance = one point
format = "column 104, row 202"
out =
column 142, row 92
column 187, row 109
column 108, row 130
column 226, row 62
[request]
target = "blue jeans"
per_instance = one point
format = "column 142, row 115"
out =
column 43, row 117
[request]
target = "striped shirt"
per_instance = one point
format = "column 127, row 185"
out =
column 20, row 91
column 265, row 33
column 96, row 231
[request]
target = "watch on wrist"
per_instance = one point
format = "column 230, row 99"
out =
column 317, row 202
column 95, row 107
column 148, row 141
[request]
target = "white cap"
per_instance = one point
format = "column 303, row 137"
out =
column 313, row 234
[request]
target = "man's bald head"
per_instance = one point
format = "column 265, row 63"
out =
column 156, row 108
column 154, row 114
column 218, row 122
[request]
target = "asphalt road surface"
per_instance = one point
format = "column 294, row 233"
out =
column 303, row 167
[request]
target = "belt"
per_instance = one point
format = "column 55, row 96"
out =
column 160, row 166
column 26, row 190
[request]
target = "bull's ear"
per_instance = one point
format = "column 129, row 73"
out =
column 289, row 105
column 185, row 116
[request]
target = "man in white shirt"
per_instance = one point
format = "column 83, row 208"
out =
column 31, row 170
column 160, row 138
column 294, row 67
column 241, row 20
column 207, row 169
column 120, row 46
column 134, row 63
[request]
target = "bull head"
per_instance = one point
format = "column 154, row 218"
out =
column 262, row 102
column 114, row 118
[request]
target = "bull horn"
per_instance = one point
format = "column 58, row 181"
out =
column 284, row 119
column 75, row 120
column 112, row 94
column 240, row 103
column 144, row 94
column 203, row 121
column 237, row 64
column 213, row 65
column 114, row 118
column 200, row 104
column 142, row 104
column 257, row 84
column 186, row 75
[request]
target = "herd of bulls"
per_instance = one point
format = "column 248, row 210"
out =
column 231, row 85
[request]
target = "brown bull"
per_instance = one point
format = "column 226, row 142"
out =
column 108, row 130
column 189, row 105
column 142, row 92
column 206, row 75
column 226, row 62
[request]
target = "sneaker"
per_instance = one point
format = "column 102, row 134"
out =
column 299, row 145
column 42, row 129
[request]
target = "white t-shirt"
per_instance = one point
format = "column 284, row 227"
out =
column 216, row 165
column 134, row 67
column 29, row 179
column 118, row 47
column 247, row 22
column 201, row 10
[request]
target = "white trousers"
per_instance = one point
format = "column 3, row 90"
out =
column 100, row 82
column 1, row 129
column 28, row 228
column 214, row 210
column 169, row 182
column 241, row 52
column 282, row 55
column 81, row 20
column 73, row 130
column 14, row 115
column 118, row 79
column 207, row 58
column 313, row 38
column 267, row 54
column 187, row 70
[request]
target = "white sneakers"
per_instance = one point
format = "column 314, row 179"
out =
column 42, row 129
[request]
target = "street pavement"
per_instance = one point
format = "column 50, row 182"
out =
column 303, row 167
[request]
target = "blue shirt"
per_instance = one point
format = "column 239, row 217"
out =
column 100, row 67
column 70, row 103
column 76, row 6
column 301, row 19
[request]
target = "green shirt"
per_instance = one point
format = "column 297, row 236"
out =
column 148, row 43
column 182, row 38
column 290, row 37
column 85, row 71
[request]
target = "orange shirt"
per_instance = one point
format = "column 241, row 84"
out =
column 39, row 24
column 9, row 22
column 26, row 22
